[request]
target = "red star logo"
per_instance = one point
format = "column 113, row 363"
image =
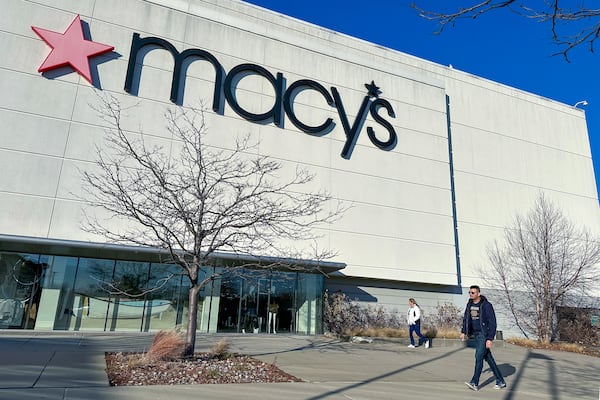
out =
column 70, row 48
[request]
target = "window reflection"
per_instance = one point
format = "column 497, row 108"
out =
column 165, row 303
column 264, row 301
column 77, row 293
column 90, row 306
column 128, row 289
column 20, row 289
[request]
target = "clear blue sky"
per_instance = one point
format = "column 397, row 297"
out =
column 499, row 46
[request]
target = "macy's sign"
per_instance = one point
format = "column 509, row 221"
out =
column 72, row 49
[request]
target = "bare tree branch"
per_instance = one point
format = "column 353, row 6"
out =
column 544, row 260
column 116, row 287
column 570, row 25
column 192, row 200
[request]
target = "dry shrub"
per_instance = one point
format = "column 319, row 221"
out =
column 430, row 332
column 446, row 318
column 220, row 349
column 136, row 360
column 575, row 326
column 166, row 346
column 522, row 342
column 571, row 347
column 341, row 316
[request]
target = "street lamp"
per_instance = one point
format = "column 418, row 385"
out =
column 581, row 103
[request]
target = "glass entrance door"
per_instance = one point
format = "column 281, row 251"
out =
column 258, row 302
column 230, row 305
column 282, row 302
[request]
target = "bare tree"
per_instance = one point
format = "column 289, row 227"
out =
column 571, row 24
column 543, row 260
column 191, row 200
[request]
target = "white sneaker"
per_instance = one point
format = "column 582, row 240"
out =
column 411, row 346
column 427, row 344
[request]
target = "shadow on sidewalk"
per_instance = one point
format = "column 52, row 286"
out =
column 383, row 376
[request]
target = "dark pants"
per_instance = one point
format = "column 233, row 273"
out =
column 417, row 329
column 481, row 353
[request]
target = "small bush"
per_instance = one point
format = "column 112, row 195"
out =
column 575, row 326
column 136, row 360
column 447, row 316
column 341, row 316
column 166, row 346
column 220, row 349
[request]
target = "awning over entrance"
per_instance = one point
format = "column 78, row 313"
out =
column 75, row 248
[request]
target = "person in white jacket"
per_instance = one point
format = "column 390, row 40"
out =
column 413, row 318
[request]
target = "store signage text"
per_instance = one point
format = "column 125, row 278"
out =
column 225, row 85
column 71, row 48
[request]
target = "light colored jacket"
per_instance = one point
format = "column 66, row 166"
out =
column 413, row 315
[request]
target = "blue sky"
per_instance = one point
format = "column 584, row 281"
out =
column 499, row 46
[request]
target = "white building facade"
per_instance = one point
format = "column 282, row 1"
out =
column 435, row 162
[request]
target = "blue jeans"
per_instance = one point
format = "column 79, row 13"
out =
column 417, row 329
column 481, row 353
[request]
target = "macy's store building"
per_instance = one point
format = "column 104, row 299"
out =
column 435, row 161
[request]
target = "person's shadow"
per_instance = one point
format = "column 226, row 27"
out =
column 505, row 369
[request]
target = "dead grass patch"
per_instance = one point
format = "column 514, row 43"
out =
column 557, row 346
column 166, row 346
column 403, row 333
column 444, row 333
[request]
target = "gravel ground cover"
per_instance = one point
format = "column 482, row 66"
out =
column 127, row 369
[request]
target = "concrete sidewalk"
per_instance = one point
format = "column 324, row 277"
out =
column 69, row 366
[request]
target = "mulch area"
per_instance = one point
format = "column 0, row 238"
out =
column 127, row 369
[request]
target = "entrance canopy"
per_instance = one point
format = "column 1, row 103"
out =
column 135, row 253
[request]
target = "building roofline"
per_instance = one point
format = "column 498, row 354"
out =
column 74, row 248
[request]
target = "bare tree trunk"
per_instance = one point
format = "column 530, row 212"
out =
column 190, row 337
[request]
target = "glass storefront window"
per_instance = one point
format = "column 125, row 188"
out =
column 127, row 305
column 165, row 304
column 230, row 304
column 255, row 301
column 282, row 302
column 90, row 301
column 56, row 304
column 20, row 289
column 309, row 306
column 76, row 293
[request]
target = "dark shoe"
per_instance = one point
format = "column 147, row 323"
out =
column 500, row 385
column 472, row 386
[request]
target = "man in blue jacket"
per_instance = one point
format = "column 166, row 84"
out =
column 480, row 322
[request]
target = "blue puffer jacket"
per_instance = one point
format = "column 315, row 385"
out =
column 487, row 316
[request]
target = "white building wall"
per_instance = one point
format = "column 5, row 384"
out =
column 507, row 144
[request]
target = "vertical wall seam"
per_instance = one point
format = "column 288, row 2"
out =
column 453, row 194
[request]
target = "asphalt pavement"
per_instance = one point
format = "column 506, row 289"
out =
column 71, row 366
